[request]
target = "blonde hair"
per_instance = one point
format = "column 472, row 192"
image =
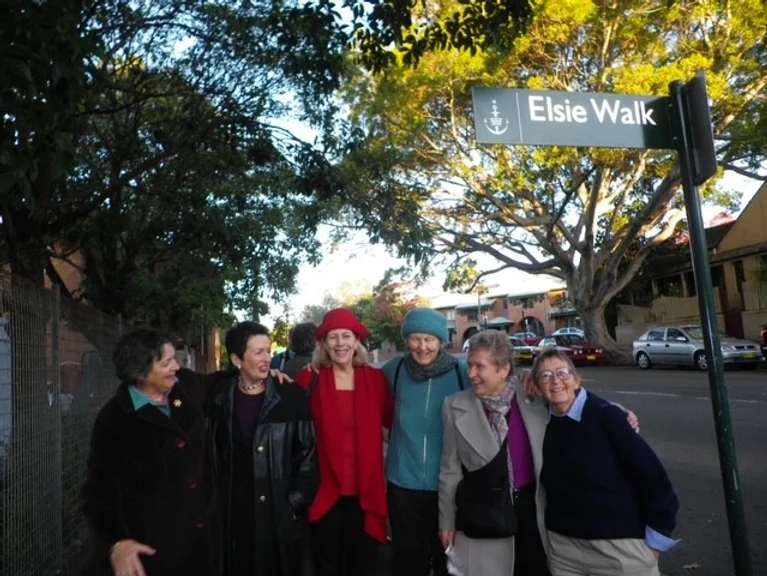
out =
column 321, row 356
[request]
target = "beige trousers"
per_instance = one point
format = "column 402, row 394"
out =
column 624, row 557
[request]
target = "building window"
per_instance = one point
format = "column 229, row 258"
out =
column 716, row 276
column 450, row 314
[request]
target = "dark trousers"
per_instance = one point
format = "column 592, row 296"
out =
column 414, row 520
column 529, row 556
column 340, row 543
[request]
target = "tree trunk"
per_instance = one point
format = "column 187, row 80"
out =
column 594, row 325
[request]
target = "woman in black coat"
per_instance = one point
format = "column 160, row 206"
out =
column 149, row 495
column 265, row 458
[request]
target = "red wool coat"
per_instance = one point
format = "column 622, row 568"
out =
column 373, row 410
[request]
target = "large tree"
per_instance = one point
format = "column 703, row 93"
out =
column 200, row 213
column 69, row 69
column 144, row 138
column 587, row 216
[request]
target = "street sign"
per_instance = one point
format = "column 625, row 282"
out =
column 529, row 117
column 699, row 113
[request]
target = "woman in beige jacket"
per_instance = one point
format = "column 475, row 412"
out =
column 491, row 459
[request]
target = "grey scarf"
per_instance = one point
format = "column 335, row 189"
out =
column 443, row 364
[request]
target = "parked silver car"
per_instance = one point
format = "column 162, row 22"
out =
column 683, row 346
column 570, row 331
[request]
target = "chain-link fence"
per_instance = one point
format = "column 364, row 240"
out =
column 55, row 373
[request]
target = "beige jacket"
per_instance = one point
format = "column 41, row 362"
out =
column 468, row 440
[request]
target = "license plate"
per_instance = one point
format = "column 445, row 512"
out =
column 749, row 355
column 591, row 357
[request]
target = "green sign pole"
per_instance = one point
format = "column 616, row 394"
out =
column 682, row 100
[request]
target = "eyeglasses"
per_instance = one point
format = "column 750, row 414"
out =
column 564, row 374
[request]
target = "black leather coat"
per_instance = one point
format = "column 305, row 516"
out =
column 285, row 477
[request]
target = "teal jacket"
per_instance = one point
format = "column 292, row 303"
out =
column 415, row 439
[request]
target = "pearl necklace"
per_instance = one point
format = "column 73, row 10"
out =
column 249, row 387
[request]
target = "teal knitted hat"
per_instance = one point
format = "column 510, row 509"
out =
column 425, row 321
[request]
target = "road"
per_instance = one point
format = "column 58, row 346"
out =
column 675, row 411
column 676, row 418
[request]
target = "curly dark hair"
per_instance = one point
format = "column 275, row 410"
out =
column 136, row 351
column 302, row 339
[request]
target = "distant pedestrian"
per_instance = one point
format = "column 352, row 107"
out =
column 149, row 495
column 302, row 344
column 610, row 507
column 281, row 358
column 351, row 406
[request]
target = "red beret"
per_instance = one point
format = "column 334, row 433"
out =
column 341, row 318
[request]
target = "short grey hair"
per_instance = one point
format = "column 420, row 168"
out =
column 550, row 354
column 496, row 343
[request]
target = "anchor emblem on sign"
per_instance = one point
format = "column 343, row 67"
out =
column 497, row 124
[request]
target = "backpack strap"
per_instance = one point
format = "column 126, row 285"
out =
column 396, row 376
column 459, row 376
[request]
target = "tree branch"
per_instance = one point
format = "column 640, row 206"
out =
column 742, row 171
column 550, row 266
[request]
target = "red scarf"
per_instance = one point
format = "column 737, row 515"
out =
column 373, row 410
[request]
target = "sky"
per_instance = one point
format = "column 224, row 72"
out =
column 356, row 266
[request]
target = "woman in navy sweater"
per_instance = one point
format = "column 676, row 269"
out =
column 610, row 504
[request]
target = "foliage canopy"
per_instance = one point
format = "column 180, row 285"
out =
column 589, row 217
column 140, row 142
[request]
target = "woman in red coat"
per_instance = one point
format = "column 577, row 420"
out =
column 351, row 405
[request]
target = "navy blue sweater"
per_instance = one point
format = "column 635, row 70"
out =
column 602, row 480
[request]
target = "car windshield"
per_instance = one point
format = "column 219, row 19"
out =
column 516, row 342
column 696, row 332
column 569, row 340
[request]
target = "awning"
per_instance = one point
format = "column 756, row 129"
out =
column 563, row 314
column 483, row 303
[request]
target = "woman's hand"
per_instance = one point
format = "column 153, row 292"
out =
column 632, row 418
column 125, row 560
column 447, row 537
column 528, row 385
column 281, row 377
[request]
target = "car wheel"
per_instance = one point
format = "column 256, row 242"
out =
column 700, row 361
column 643, row 361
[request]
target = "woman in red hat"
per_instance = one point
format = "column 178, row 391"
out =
column 351, row 405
